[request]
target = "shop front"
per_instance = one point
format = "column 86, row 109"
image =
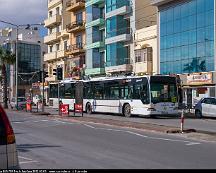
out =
column 196, row 86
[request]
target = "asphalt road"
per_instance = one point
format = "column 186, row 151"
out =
column 204, row 124
column 48, row 143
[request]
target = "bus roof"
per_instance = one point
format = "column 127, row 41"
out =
column 70, row 80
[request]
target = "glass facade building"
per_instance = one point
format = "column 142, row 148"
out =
column 187, row 37
column 95, row 35
column 29, row 60
column 116, row 52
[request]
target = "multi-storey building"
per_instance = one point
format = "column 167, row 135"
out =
column 187, row 44
column 146, row 60
column 110, row 30
column 123, row 19
column 77, row 42
column 57, row 38
column 95, row 35
column 30, row 58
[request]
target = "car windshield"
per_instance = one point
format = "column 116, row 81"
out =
column 21, row 99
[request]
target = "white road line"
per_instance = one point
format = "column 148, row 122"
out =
column 25, row 158
column 188, row 143
column 89, row 126
column 28, row 162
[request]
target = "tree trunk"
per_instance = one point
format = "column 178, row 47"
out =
column 4, row 87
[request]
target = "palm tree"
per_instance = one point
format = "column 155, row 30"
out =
column 6, row 57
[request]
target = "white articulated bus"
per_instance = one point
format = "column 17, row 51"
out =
column 144, row 96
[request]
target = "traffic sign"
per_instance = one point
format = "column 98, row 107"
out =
column 64, row 109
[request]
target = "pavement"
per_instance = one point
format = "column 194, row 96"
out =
column 198, row 128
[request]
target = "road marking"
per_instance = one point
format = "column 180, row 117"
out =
column 193, row 143
column 25, row 158
column 89, row 126
column 28, row 162
column 188, row 143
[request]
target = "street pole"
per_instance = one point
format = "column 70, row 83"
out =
column 16, row 76
column 43, row 90
column 59, row 97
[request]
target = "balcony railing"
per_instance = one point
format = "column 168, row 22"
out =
column 76, row 26
column 76, row 49
column 52, row 38
column 74, row 5
column 52, row 21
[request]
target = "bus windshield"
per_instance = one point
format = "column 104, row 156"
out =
column 163, row 91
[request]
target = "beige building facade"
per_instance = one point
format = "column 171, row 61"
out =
column 146, row 60
column 77, row 39
column 57, row 38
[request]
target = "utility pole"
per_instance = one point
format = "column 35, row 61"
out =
column 17, row 35
column 43, row 75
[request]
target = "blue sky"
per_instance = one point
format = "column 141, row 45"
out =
column 24, row 12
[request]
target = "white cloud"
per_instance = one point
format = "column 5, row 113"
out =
column 23, row 11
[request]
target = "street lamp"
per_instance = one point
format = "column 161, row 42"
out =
column 17, row 39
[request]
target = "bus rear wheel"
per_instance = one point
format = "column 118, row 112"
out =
column 88, row 108
column 127, row 110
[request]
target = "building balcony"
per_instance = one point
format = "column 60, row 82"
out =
column 64, row 33
column 95, row 71
column 99, row 44
column 91, row 2
column 53, row 21
column 74, row 5
column 50, row 56
column 52, row 38
column 119, row 38
column 61, row 54
column 76, row 49
column 77, row 26
column 97, row 22
column 119, row 11
column 53, row 3
column 143, row 67
column 119, row 68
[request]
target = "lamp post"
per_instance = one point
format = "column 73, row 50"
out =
column 16, row 47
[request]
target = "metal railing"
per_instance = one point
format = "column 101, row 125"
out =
column 72, row 2
column 75, row 25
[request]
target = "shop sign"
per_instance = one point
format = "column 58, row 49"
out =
column 199, row 79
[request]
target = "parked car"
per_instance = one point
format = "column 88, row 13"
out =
column 206, row 107
column 21, row 103
column 8, row 150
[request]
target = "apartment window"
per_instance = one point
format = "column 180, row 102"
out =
column 79, row 41
column 79, row 17
column 58, row 29
column 57, row 47
column 50, row 13
column 143, row 55
column 57, row 11
column 50, row 49
column 65, row 45
column 50, row 31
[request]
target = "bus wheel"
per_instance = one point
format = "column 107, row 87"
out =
column 127, row 110
column 88, row 108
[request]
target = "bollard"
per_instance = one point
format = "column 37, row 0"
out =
column 182, row 121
